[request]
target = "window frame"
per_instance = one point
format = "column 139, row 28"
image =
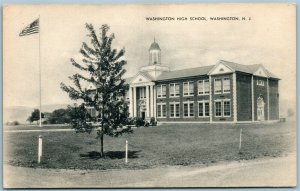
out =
column 188, row 89
column 173, row 104
column 226, row 91
column 204, row 92
column 260, row 83
column 174, row 91
column 189, row 109
column 215, row 91
column 160, row 105
column 203, row 108
column 160, row 88
column 222, row 107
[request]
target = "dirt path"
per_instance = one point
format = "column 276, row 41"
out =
column 268, row 172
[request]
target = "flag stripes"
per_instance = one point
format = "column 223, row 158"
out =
column 31, row 29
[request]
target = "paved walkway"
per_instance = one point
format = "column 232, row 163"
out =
column 257, row 173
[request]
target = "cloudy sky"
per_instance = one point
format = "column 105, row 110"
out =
column 269, row 38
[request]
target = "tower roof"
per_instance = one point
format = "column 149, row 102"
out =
column 154, row 46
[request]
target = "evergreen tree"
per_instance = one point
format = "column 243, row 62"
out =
column 35, row 116
column 101, row 66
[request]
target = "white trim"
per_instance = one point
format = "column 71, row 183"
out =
column 222, row 107
column 174, row 84
column 161, row 109
column 203, row 107
column 161, row 92
column 213, row 72
column 261, row 71
column 130, row 102
column 171, row 122
column 215, row 86
column 147, row 102
column 189, row 110
column 223, row 85
column 134, row 102
column 174, row 103
column 188, row 83
column 234, row 97
column 151, row 102
column 154, row 102
column 252, row 97
column 203, row 87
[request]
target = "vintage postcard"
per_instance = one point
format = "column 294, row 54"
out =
column 147, row 96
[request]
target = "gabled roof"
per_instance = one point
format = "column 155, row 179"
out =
column 199, row 71
column 205, row 70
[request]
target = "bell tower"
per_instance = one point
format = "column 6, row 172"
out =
column 154, row 54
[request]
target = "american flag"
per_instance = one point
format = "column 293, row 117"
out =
column 31, row 29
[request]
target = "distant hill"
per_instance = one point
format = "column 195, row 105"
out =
column 21, row 113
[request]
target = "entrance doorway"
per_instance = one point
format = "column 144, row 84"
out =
column 143, row 115
column 260, row 109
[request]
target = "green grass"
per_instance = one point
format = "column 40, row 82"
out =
column 179, row 144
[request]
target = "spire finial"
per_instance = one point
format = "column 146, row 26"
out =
column 154, row 39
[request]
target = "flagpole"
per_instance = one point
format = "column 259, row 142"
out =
column 40, row 73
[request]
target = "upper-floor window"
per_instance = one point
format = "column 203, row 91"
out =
column 218, row 86
column 203, row 87
column 260, row 83
column 226, row 85
column 174, row 90
column 161, row 91
column 188, row 88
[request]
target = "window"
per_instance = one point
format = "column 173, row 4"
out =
column 161, row 110
column 188, row 88
column 174, row 90
column 203, row 87
column 174, row 110
column 218, row 108
column 222, row 108
column 226, row 85
column 161, row 91
column 188, row 109
column 226, row 108
column 218, row 86
column 203, row 109
column 260, row 83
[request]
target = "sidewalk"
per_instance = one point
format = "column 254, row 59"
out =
column 278, row 172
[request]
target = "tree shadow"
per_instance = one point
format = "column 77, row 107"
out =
column 110, row 154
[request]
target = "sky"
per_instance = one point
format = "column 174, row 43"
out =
column 268, row 38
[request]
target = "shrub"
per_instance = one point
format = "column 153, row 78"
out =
column 153, row 122
column 139, row 122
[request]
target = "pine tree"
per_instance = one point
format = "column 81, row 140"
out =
column 101, row 66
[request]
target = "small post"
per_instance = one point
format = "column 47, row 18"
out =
column 126, row 152
column 40, row 148
column 240, row 145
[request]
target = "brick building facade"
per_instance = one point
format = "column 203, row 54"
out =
column 225, row 92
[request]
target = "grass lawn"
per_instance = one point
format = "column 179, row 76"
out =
column 168, row 144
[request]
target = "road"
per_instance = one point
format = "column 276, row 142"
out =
column 279, row 172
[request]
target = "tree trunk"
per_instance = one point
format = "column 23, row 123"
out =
column 101, row 140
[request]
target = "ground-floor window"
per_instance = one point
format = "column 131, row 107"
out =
column 188, row 109
column 203, row 109
column 222, row 108
column 161, row 110
column 174, row 110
